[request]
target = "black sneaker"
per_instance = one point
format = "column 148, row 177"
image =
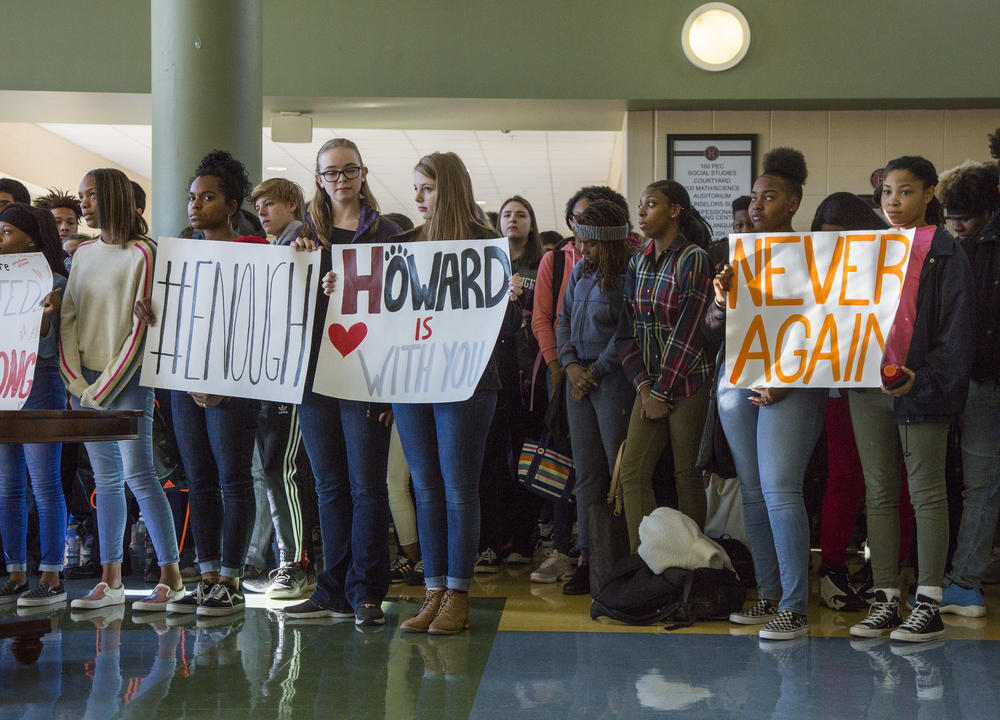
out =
column 883, row 617
column 579, row 584
column 368, row 615
column 864, row 584
column 90, row 569
column 786, row 625
column 188, row 605
column 288, row 581
column 10, row 591
column 43, row 594
column 224, row 599
column 836, row 591
column 487, row 562
column 923, row 624
column 312, row 609
column 400, row 570
column 760, row 613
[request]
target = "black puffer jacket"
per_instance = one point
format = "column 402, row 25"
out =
column 984, row 256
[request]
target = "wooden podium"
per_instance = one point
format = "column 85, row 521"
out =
column 46, row 426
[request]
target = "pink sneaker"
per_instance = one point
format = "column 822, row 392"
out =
column 157, row 600
column 101, row 596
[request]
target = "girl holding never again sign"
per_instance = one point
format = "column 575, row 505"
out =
column 772, row 433
column 215, row 434
column 444, row 442
column 347, row 441
column 667, row 290
column 100, row 345
column 27, row 230
column 912, row 419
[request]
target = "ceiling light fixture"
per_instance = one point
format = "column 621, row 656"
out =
column 275, row 168
column 716, row 36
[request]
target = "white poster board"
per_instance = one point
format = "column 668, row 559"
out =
column 25, row 280
column 715, row 170
column 813, row 310
column 412, row 323
column 233, row 319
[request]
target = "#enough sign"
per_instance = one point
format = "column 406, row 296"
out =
column 414, row 322
column 25, row 279
column 234, row 319
column 817, row 310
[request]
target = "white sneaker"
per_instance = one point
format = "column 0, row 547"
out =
column 157, row 600
column 555, row 568
column 103, row 595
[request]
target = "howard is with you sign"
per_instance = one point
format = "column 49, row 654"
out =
column 819, row 309
column 413, row 322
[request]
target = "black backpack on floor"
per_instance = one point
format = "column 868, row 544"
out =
column 635, row 595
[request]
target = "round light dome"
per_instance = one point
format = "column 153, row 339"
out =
column 716, row 36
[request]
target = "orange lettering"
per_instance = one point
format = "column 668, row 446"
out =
column 855, row 336
column 771, row 270
column 753, row 278
column 756, row 331
column 822, row 292
column 829, row 329
column 848, row 269
column 872, row 325
column 884, row 269
column 801, row 354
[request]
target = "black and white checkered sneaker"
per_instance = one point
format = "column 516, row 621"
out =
column 883, row 617
column 757, row 614
column 786, row 625
column 924, row 623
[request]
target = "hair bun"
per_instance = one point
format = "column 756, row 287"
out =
column 788, row 163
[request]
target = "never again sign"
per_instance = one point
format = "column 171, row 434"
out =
column 414, row 322
column 814, row 310
column 234, row 319
column 24, row 280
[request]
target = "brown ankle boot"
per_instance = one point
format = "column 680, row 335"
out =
column 453, row 615
column 422, row 620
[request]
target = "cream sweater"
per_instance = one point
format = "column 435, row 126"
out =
column 98, row 329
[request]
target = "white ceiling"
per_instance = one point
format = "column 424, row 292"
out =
column 546, row 167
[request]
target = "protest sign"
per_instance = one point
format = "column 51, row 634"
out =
column 25, row 280
column 412, row 323
column 234, row 319
column 816, row 310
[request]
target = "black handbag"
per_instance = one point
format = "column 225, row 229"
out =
column 714, row 454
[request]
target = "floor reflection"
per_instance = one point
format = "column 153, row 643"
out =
column 113, row 663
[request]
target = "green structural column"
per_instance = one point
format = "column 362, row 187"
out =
column 207, row 94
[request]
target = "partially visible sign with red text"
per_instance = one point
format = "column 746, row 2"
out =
column 813, row 310
column 24, row 281
column 414, row 322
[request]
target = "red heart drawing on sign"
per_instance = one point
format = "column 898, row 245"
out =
column 347, row 341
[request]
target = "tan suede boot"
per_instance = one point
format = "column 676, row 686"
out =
column 422, row 620
column 453, row 615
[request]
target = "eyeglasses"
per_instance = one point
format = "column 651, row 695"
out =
column 348, row 173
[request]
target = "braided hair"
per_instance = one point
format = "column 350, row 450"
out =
column 612, row 255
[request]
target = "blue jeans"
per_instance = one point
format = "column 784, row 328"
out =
column 216, row 447
column 116, row 462
column 597, row 427
column 42, row 461
column 348, row 450
column 981, row 475
column 444, row 445
column 771, row 449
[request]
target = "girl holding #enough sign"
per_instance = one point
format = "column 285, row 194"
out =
column 215, row 434
column 28, row 230
column 100, row 345
column 444, row 442
column 347, row 441
column 911, row 419
column 772, row 433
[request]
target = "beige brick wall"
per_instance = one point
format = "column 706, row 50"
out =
column 841, row 147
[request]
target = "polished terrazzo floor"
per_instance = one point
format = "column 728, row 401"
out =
column 532, row 653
